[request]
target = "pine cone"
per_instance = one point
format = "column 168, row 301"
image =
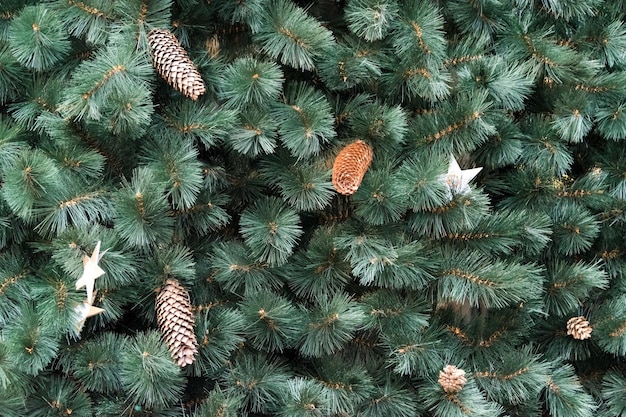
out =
column 579, row 328
column 350, row 167
column 176, row 319
column 173, row 64
column 452, row 379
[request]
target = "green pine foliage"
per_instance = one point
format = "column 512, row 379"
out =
column 308, row 303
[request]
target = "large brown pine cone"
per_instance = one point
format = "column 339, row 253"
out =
column 176, row 320
column 173, row 64
column 350, row 166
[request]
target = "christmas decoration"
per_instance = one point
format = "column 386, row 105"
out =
column 579, row 328
column 350, row 166
column 452, row 379
column 173, row 64
column 86, row 310
column 458, row 179
column 91, row 271
column 176, row 321
column 217, row 150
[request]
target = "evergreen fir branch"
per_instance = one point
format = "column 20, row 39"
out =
column 254, row 133
column 414, row 354
column 479, row 18
column 29, row 341
column 605, row 40
column 482, row 282
column 143, row 216
column 612, row 165
column 271, row 230
column 31, row 176
column 273, row 323
column 611, row 120
column 330, row 325
column 505, row 231
column 304, row 186
column 286, row 32
column 97, row 364
column 420, row 30
column 14, row 274
column 173, row 261
column 560, row 63
column 459, row 126
column 380, row 199
column 176, row 165
column 219, row 404
column 12, row 74
column 569, row 9
column 37, row 38
column 207, row 215
column 529, row 188
column 76, row 161
column 318, row 271
column 572, row 119
column 468, row 401
column 147, row 373
column 196, row 120
column 393, row 315
column 610, row 326
column 138, row 17
column 543, row 149
column 406, row 81
column 345, row 387
column 518, row 378
column 237, row 270
column 219, row 335
column 461, row 213
column 383, row 126
column 250, row 81
column 259, row 379
column 390, row 400
column 55, row 297
column 88, row 19
column 613, row 383
column 305, row 121
column 507, row 83
column 569, row 284
column 56, row 395
column 304, row 398
column 574, row 228
column 502, row 148
column 565, row 395
column 350, row 63
column 371, row 19
column 12, row 143
column 77, row 208
column 115, row 71
column 419, row 177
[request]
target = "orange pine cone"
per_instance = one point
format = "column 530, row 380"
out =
column 350, row 167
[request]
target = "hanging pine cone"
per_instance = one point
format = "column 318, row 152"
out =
column 579, row 328
column 176, row 319
column 173, row 64
column 452, row 379
column 350, row 167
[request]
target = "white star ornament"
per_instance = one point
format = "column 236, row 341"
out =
column 91, row 271
column 458, row 179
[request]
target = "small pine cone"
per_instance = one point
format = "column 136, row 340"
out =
column 350, row 167
column 579, row 328
column 176, row 319
column 173, row 64
column 452, row 379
